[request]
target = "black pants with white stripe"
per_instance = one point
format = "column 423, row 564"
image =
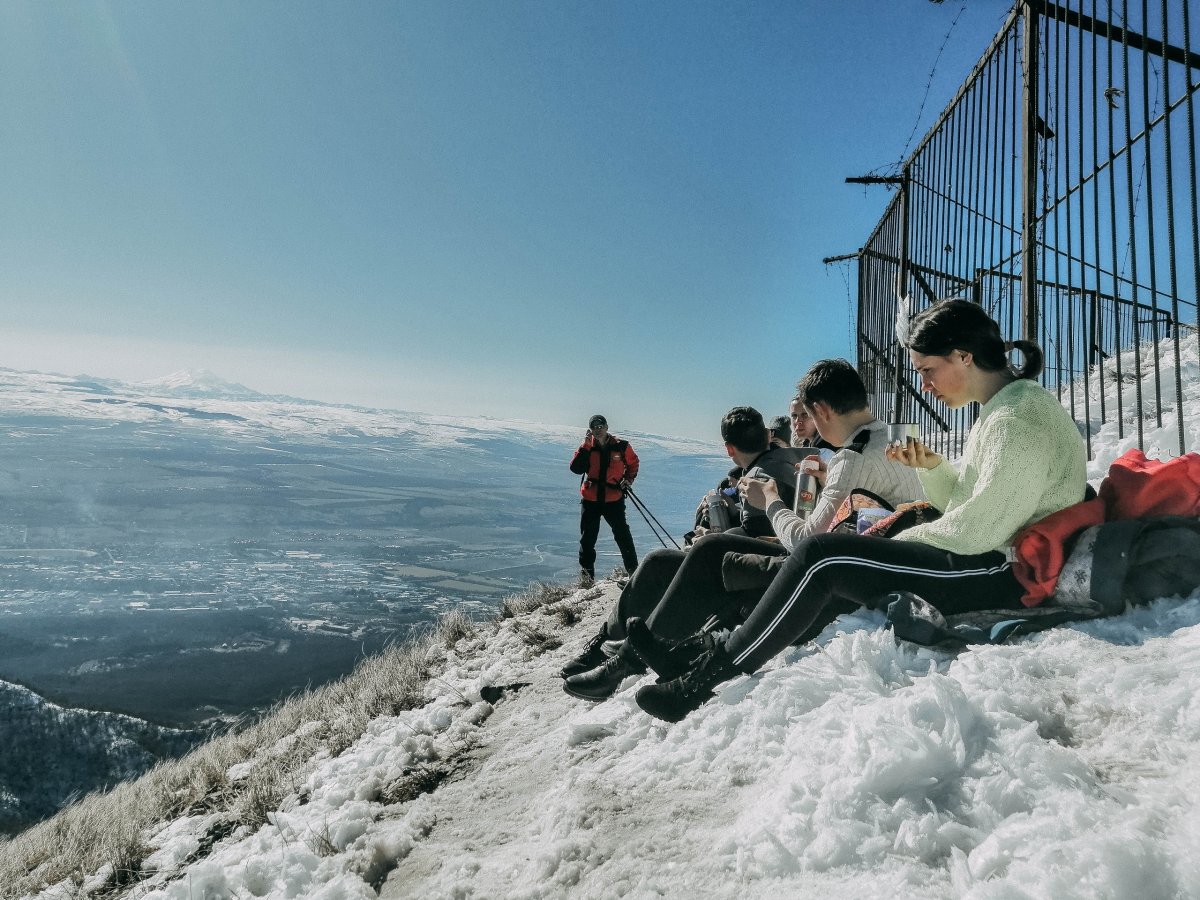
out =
column 676, row 591
column 830, row 567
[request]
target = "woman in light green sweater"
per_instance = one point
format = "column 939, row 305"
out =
column 1024, row 459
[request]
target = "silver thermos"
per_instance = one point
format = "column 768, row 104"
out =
column 807, row 487
column 718, row 512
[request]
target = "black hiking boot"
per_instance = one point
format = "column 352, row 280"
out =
column 667, row 659
column 602, row 682
column 587, row 577
column 593, row 654
column 672, row 700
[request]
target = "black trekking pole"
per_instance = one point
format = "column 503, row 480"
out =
column 655, row 526
column 638, row 506
column 661, row 527
column 647, row 515
column 642, row 509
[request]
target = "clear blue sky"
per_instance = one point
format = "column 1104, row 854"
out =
column 535, row 210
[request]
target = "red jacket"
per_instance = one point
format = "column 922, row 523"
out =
column 1136, row 487
column 604, row 468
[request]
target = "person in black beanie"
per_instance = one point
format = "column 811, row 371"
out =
column 608, row 466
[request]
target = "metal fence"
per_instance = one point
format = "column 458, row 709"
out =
column 1059, row 190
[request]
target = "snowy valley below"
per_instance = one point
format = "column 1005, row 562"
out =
column 187, row 551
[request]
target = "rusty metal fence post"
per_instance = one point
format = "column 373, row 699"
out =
column 1029, row 170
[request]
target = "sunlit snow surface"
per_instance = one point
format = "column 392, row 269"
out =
column 1121, row 432
column 1063, row 765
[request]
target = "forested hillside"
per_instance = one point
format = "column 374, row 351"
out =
column 48, row 753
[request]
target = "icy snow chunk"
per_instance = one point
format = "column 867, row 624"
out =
column 597, row 722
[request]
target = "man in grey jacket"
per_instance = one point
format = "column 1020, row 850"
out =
column 834, row 395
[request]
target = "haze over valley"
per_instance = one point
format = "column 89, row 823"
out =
column 188, row 551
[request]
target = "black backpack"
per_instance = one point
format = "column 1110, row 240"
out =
column 1131, row 562
column 1114, row 565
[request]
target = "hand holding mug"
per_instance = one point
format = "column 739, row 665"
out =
column 816, row 466
column 912, row 453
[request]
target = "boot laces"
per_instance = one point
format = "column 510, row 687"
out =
column 700, row 676
column 613, row 663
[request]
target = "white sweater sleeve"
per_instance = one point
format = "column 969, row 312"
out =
column 788, row 526
column 938, row 483
column 841, row 480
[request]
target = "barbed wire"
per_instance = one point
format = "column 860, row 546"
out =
column 929, row 82
column 891, row 169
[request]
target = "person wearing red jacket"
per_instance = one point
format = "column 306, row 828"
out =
column 608, row 466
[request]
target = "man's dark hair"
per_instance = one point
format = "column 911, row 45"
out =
column 744, row 429
column 833, row 381
column 781, row 427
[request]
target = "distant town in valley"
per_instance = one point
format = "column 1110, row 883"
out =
column 195, row 560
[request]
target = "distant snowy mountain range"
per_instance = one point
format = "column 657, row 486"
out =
column 203, row 384
column 203, row 396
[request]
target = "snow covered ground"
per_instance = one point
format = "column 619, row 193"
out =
column 1061, row 766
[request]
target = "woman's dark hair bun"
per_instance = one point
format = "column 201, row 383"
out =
column 950, row 325
column 1031, row 367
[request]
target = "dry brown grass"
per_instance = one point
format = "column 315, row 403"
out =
column 536, row 596
column 107, row 831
